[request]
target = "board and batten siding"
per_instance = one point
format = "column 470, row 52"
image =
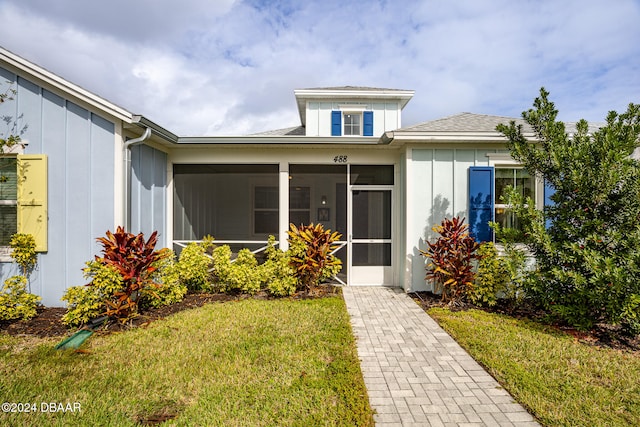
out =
column 148, row 192
column 80, row 148
column 437, row 188
column 386, row 116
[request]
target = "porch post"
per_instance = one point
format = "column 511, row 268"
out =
column 283, row 222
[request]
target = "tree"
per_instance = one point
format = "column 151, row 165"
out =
column 587, row 243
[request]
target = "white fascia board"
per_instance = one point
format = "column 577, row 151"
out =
column 403, row 95
column 396, row 138
column 27, row 69
column 277, row 140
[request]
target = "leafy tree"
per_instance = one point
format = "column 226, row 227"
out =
column 587, row 243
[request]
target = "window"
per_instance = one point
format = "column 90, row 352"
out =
column 23, row 198
column 8, row 199
column 522, row 182
column 352, row 123
column 300, row 205
column 265, row 214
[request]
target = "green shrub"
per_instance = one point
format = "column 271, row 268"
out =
column 194, row 265
column 491, row 276
column 89, row 301
column 15, row 301
column 170, row 288
column 310, row 248
column 277, row 272
column 24, row 251
column 587, row 241
column 498, row 276
column 241, row 275
column 451, row 257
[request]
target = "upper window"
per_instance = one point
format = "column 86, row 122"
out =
column 8, row 199
column 352, row 124
column 522, row 182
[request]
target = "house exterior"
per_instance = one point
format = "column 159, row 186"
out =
column 350, row 165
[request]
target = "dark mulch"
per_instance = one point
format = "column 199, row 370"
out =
column 47, row 322
column 605, row 336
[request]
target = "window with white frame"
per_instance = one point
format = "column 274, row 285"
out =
column 522, row 182
column 8, row 199
column 352, row 124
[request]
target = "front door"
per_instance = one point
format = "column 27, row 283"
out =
column 370, row 237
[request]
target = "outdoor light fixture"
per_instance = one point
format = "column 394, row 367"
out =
column 323, row 200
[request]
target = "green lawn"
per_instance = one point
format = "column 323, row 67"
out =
column 242, row 363
column 562, row 381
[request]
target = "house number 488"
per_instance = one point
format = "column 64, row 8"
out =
column 340, row 159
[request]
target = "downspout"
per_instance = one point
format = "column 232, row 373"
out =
column 127, row 175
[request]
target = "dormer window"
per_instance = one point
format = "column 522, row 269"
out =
column 350, row 123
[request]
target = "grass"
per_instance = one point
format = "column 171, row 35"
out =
column 562, row 381
column 245, row 363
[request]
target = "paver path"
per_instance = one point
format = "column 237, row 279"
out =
column 415, row 373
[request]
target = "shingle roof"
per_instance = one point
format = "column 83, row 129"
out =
column 295, row 130
column 464, row 122
column 480, row 123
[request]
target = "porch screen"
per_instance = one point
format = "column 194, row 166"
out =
column 228, row 202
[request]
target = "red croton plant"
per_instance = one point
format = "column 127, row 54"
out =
column 133, row 258
column 451, row 255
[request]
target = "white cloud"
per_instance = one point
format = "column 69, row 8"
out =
column 230, row 67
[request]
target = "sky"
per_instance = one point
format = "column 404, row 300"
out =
column 229, row 67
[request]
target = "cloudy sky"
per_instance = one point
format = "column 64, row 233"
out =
column 225, row 67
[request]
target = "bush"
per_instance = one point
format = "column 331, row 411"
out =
column 24, row 251
column 310, row 248
column 90, row 301
column 134, row 259
column 15, row 301
column 491, row 277
column 194, row 265
column 277, row 272
column 498, row 276
column 587, row 242
column 170, row 289
column 451, row 257
column 241, row 275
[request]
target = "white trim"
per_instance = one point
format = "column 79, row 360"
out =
column 118, row 176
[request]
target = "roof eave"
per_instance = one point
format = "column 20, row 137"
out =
column 277, row 140
column 401, row 138
column 157, row 130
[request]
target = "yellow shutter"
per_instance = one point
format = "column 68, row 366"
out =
column 32, row 197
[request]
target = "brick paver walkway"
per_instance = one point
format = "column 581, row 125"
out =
column 415, row 373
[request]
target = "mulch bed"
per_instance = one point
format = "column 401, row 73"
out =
column 605, row 336
column 47, row 322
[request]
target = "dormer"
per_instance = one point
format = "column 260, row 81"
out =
column 351, row 111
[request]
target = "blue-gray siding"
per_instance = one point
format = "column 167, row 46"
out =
column 80, row 148
column 148, row 195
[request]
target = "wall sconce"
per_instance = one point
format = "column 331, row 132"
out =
column 323, row 200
